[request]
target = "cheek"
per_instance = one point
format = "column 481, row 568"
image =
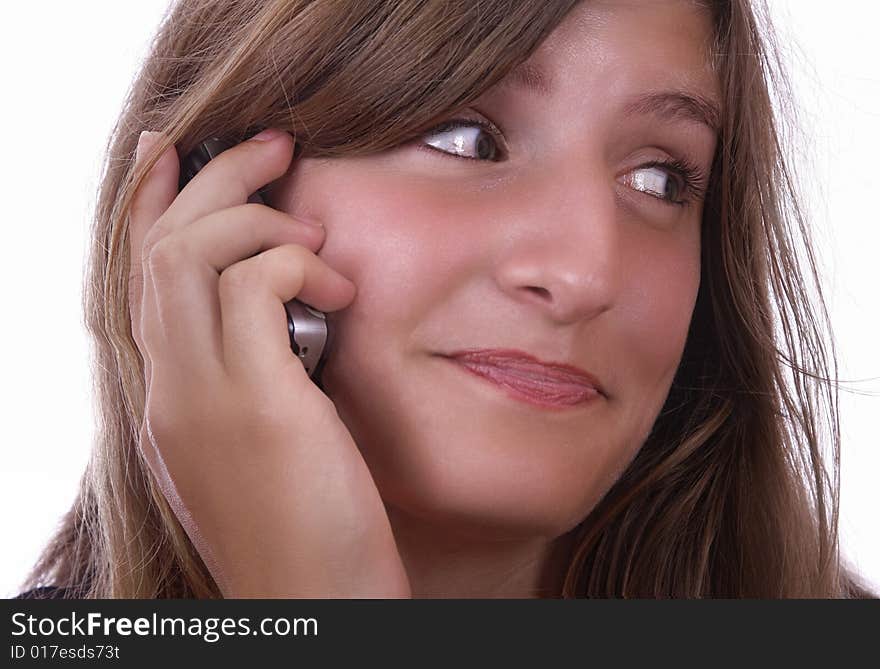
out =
column 369, row 223
column 401, row 238
column 668, row 281
column 657, row 309
column 382, row 235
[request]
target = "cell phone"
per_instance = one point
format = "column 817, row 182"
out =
column 306, row 326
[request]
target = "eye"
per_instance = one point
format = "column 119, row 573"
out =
column 660, row 183
column 471, row 139
column 676, row 182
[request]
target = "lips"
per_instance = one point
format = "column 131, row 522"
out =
column 529, row 379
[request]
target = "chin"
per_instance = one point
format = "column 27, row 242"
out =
column 448, row 456
column 484, row 497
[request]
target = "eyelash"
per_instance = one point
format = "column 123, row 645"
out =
column 692, row 177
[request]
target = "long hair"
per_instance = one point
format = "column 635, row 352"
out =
column 733, row 494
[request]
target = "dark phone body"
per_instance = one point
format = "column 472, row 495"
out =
column 306, row 326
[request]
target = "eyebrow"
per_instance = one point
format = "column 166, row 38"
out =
column 669, row 105
column 675, row 105
column 529, row 77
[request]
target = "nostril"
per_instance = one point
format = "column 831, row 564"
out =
column 542, row 292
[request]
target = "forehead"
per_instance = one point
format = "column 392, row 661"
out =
column 624, row 45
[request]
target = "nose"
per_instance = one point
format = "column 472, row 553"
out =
column 562, row 241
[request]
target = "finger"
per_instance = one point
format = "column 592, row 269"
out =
column 229, row 236
column 185, row 267
column 230, row 179
column 256, row 343
column 154, row 195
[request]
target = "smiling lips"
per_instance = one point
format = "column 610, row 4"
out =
column 528, row 379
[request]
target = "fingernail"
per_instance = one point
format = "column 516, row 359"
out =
column 145, row 141
column 309, row 221
column 267, row 135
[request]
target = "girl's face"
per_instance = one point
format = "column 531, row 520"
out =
column 557, row 238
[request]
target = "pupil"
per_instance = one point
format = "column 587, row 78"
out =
column 484, row 148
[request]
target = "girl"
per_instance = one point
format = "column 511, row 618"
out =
column 555, row 242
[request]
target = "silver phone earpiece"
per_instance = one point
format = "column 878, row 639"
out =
column 307, row 328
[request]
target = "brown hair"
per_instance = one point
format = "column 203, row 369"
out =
column 730, row 495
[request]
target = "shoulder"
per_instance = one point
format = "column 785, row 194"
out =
column 47, row 592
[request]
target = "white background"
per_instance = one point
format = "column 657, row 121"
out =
column 65, row 69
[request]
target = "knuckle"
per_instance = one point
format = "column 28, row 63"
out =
column 299, row 259
column 155, row 233
column 251, row 222
column 296, row 259
column 165, row 256
column 232, row 174
column 245, row 275
column 252, row 208
column 296, row 255
column 241, row 276
column 296, row 250
column 268, row 222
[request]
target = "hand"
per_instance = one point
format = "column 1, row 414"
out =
column 261, row 472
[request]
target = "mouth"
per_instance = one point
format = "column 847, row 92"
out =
column 527, row 379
